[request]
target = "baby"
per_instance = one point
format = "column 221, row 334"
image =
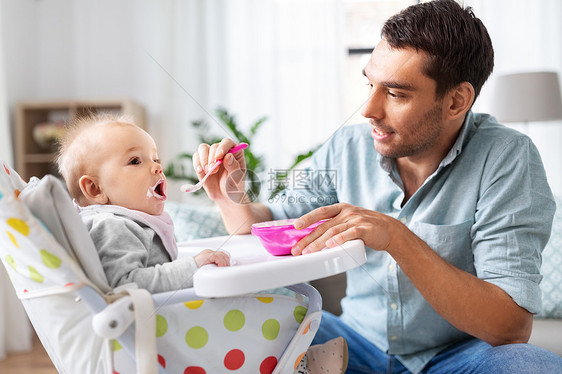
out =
column 113, row 173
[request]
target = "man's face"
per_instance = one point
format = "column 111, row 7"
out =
column 129, row 172
column 407, row 119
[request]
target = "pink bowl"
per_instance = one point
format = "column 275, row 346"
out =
column 278, row 237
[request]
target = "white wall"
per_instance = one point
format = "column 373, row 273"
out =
column 60, row 49
column 20, row 49
column 527, row 36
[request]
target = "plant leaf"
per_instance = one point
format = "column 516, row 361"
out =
column 185, row 155
column 301, row 157
column 257, row 125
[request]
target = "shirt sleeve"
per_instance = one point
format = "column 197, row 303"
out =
column 513, row 221
column 308, row 188
column 124, row 248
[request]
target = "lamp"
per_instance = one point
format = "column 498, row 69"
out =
column 527, row 97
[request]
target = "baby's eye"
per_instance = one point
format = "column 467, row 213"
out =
column 134, row 161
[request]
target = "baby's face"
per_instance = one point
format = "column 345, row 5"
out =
column 129, row 172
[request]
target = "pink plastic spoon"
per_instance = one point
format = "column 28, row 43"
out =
column 197, row 187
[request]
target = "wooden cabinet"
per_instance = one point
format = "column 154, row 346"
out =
column 35, row 157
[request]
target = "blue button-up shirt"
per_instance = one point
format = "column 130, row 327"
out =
column 487, row 210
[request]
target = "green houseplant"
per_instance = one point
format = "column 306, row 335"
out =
column 179, row 169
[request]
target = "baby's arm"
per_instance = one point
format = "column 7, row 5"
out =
column 123, row 248
column 207, row 256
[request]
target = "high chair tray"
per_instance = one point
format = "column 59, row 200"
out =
column 254, row 269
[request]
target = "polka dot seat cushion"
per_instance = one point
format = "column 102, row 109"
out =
column 230, row 335
column 36, row 263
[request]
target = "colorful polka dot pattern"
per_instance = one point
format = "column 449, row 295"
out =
column 33, row 260
column 196, row 337
column 18, row 225
column 161, row 326
column 246, row 334
column 234, row 320
column 270, row 329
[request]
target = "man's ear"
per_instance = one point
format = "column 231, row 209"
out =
column 91, row 190
column 460, row 100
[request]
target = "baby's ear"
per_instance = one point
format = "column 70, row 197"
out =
column 92, row 191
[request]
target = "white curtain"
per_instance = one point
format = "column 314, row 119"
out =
column 286, row 62
column 527, row 36
column 15, row 329
column 276, row 58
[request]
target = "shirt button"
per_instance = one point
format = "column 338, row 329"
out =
column 404, row 220
column 391, row 267
column 393, row 337
column 394, row 306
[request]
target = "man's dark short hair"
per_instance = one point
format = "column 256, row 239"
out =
column 457, row 42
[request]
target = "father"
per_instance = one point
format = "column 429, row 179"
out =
column 454, row 207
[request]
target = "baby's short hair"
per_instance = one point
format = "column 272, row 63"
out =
column 72, row 157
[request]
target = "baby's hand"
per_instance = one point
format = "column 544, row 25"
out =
column 207, row 256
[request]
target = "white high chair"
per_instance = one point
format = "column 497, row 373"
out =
column 220, row 325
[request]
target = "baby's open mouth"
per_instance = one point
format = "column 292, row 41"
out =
column 158, row 190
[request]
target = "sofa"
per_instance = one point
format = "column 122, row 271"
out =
column 547, row 327
column 194, row 222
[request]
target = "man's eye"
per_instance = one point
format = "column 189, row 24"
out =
column 134, row 161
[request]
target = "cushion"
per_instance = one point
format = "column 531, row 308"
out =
column 551, row 269
column 195, row 221
column 49, row 201
column 243, row 334
column 10, row 179
column 36, row 263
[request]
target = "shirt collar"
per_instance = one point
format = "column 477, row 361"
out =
column 464, row 136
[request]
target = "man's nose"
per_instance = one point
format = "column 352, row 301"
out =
column 373, row 107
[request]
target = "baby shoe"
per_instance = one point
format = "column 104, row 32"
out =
column 328, row 358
